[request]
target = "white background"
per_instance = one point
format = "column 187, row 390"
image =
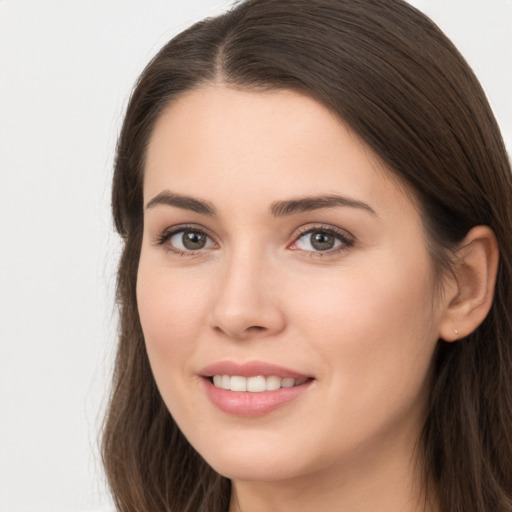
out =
column 66, row 70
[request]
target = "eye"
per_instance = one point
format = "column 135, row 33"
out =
column 185, row 240
column 190, row 240
column 321, row 239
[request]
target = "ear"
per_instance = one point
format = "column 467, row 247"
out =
column 471, row 290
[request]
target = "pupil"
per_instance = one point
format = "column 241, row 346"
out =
column 193, row 240
column 322, row 241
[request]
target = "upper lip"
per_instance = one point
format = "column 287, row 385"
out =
column 249, row 369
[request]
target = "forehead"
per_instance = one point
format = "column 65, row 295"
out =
column 231, row 144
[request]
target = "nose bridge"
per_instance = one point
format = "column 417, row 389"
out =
column 245, row 303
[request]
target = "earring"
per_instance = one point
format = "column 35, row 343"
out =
column 456, row 331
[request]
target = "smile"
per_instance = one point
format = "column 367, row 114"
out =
column 257, row 384
column 253, row 388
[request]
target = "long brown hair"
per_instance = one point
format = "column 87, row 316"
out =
column 401, row 85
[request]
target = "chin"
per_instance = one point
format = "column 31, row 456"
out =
column 246, row 470
column 253, row 462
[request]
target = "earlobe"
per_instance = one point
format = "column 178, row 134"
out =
column 474, row 277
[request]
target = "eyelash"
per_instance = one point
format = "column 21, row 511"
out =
column 162, row 239
column 346, row 240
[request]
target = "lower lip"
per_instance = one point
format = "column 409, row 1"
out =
column 245, row 403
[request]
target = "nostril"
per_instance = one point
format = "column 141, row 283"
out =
column 256, row 328
column 253, row 330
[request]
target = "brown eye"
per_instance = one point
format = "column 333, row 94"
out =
column 322, row 241
column 190, row 240
column 193, row 240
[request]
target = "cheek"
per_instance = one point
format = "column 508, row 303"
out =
column 374, row 336
column 377, row 325
column 171, row 311
column 356, row 303
column 171, row 314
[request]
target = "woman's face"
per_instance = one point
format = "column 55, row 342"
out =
column 277, row 252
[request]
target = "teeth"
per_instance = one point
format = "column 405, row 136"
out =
column 226, row 382
column 288, row 383
column 273, row 383
column 254, row 384
column 238, row 383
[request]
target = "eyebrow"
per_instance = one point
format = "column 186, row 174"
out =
column 306, row 204
column 184, row 202
column 277, row 209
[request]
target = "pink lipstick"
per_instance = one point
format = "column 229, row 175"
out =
column 252, row 389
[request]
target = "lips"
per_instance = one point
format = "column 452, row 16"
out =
column 250, row 369
column 252, row 389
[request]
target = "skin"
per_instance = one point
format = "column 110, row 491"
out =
column 363, row 321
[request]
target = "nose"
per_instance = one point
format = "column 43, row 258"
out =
column 246, row 301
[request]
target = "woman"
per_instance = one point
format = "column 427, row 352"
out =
column 315, row 287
